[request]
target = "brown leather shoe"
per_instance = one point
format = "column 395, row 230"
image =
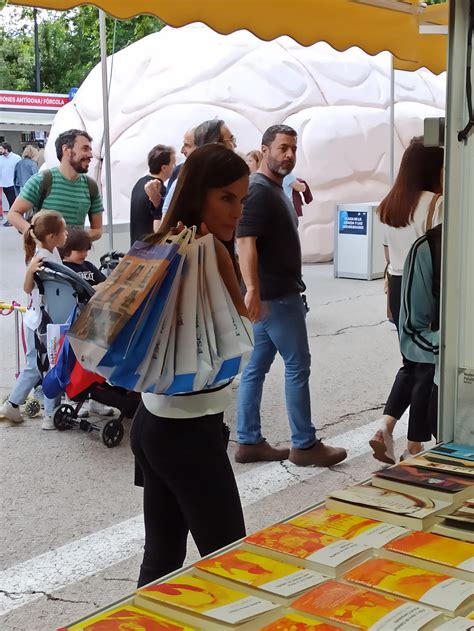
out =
column 261, row 452
column 319, row 455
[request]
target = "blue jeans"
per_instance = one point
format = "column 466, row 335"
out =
column 29, row 377
column 282, row 328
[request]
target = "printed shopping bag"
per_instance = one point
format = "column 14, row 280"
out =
column 231, row 344
column 121, row 363
column 56, row 379
column 136, row 353
column 186, row 351
column 235, row 366
column 54, row 337
column 119, row 299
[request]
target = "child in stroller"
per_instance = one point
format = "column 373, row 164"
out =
column 66, row 291
column 74, row 255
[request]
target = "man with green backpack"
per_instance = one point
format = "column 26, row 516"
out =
column 66, row 188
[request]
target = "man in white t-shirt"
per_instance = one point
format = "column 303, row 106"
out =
column 8, row 161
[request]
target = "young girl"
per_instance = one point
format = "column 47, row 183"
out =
column 46, row 233
column 178, row 441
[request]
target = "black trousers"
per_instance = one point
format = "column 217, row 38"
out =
column 413, row 384
column 10, row 194
column 189, row 486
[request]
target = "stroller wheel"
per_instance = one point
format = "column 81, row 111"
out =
column 32, row 408
column 112, row 433
column 63, row 417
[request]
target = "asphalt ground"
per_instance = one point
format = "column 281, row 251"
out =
column 71, row 519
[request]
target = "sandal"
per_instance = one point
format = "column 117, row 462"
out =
column 383, row 446
column 406, row 455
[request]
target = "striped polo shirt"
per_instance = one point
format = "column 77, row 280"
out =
column 71, row 198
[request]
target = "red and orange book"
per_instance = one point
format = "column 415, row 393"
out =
column 188, row 596
column 368, row 532
column 278, row 578
column 363, row 609
column 452, row 596
column 128, row 617
column 316, row 550
column 433, row 552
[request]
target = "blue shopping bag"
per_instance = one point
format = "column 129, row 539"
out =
column 126, row 353
column 58, row 377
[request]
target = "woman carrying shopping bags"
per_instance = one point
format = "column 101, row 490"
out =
column 410, row 209
column 178, row 441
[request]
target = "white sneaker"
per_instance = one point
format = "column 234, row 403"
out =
column 99, row 408
column 10, row 412
column 48, row 423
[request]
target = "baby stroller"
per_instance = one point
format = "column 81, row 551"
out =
column 109, row 261
column 64, row 293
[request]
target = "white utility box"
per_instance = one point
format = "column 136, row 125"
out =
column 358, row 242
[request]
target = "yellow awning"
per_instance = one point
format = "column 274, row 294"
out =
column 373, row 25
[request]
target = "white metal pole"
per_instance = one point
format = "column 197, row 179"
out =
column 105, row 109
column 456, row 315
column 392, row 121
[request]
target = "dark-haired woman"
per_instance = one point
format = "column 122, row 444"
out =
column 178, row 441
column 411, row 207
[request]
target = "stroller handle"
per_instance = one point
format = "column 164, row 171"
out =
column 56, row 271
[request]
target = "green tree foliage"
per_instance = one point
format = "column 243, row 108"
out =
column 69, row 46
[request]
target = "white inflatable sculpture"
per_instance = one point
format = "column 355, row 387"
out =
column 338, row 103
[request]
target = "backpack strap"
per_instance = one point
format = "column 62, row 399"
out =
column 45, row 190
column 93, row 192
column 431, row 210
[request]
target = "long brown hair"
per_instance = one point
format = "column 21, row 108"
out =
column 420, row 170
column 43, row 223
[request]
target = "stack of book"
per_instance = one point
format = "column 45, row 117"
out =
column 392, row 554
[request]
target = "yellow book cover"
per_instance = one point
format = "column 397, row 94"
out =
column 424, row 586
column 436, row 549
column 330, row 553
column 128, row 617
column 266, row 573
column 206, row 598
column 295, row 622
column 366, row 531
column 363, row 609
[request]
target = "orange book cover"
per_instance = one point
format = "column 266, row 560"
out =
column 205, row 597
column 129, row 617
column 305, row 544
column 295, row 622
column 407, row 581
column 363, row 530
column 363, row 609
column 435, row 548
column 260, row 571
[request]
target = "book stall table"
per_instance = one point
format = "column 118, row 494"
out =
column 374, row 556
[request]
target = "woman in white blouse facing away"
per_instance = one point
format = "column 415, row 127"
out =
column 412, row 207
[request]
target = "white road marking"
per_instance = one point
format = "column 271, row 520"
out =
column 30, row 580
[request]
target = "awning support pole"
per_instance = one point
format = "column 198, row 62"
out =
column 106, row 145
